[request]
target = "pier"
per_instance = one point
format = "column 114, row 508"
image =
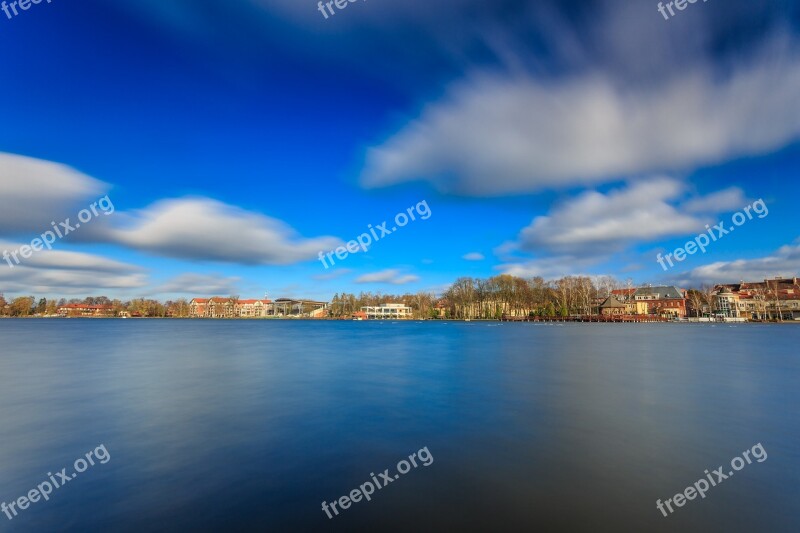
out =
column 587, row 318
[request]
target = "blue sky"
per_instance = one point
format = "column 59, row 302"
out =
column 238, row 139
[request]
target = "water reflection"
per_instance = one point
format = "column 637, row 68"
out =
column 251, row 425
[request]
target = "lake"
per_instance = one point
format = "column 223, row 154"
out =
column 251, row 425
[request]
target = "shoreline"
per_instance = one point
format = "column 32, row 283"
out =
column 531, row 320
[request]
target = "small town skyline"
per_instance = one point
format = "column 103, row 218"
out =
column 466, row 298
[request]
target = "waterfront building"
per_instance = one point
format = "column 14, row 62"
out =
column 234, row 308
column 197, row 307
column 728, row 304
column 221, row 307
column 612, row 306
column 777, row 298
column 253, row 308
column 292, row 307
column 215, row 307
column 103, row 310
column 626, row 296
column 666, row 301
column 387, row 311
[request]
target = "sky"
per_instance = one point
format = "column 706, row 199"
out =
column 227, row 145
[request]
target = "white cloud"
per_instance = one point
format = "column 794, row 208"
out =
column 34, row 192
column 730, row 199
column 550, row 267
column 473, row 256
column 200, row 284
column 59, row 272
column 493, row 135
column 595, row 223
column 784, row 262
column 205, row 229
column 391, row 276
column 587, row 230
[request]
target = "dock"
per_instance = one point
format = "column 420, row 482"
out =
column 588, row 318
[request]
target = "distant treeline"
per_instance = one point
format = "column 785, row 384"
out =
column 465, row 298
column 30, row 306
column 493, row 297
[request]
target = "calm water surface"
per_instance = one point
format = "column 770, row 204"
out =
column 250, row 425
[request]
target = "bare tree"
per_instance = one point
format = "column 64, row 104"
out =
column 709, row 293
column 696, row 299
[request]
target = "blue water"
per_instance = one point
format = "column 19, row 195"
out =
column 251, row 425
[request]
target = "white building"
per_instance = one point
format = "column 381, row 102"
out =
column 386, row 311
column 254, row 308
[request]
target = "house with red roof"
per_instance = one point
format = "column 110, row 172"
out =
column 86, row 310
